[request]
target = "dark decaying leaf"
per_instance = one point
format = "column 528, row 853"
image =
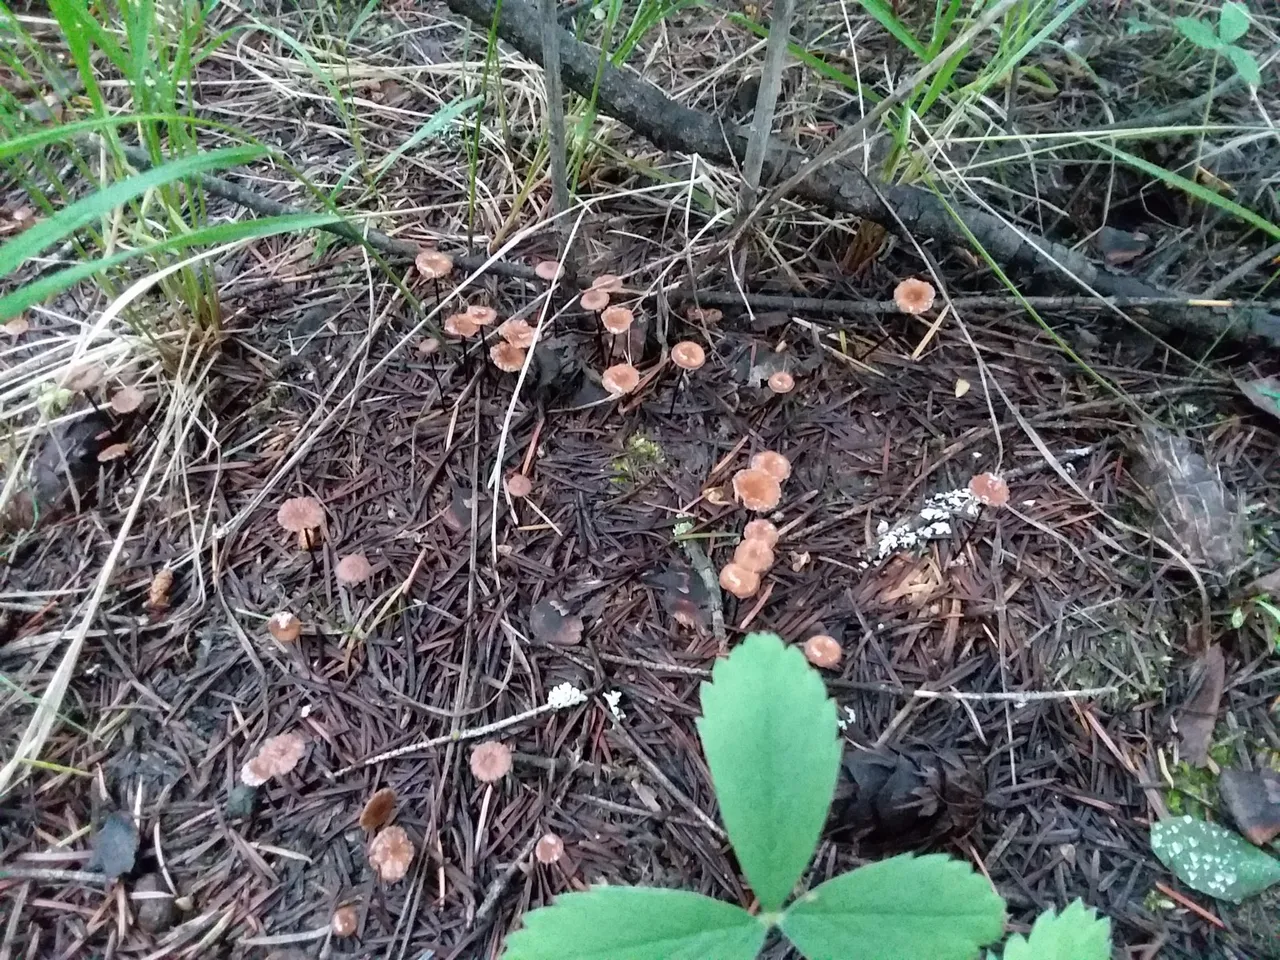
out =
column 115, row 845
column 153, row 903
column 1119, row 247
column 1199, row 711
column 1190, row 503
column 62, row 471
column 1253, row 800
column 552, row 622
column 1263, row 393
column 897, row 799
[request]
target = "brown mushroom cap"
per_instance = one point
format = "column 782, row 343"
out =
column 761, row 530
column 594, row 299
column 774, row 464
column 688, row 355
column 284, row 626
column 607, row 282
column 548, row 270
column 507, row 357
column 518, row 333
column 620, row 379
column 128, row 399
column 276, row 757
column 989, row 489
column 428, row 346
column 344, row 922
column 782, row 382
column 390, row 854
column 755, row 555
column 616, row 319
column 913, row 296
column 433, row 264
column 549, row 849
column 739, row 581
column 461, row 325
column 353, row 568
column 518, row 485
column 823, row 651
column 300, row 514
column 756, row 490
column 491, row 761
column 378, row 809
column 482, row 316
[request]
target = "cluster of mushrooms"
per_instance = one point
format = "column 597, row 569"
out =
column 758, row 488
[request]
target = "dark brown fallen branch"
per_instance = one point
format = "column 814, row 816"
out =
column 626, row 96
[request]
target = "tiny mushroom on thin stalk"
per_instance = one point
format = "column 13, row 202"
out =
column 461, row 325
column 517, row 332
column 594, row 300
column 491, row 761
column 782, row 382
column 518, row 486
column 616, row 319
column 989, row 489
column 483, row 316
column 352, row 569
column 913, row 296
column 303, row 516
column 739, row 581
column 433, row 265
column 756, row 490
column 754, row 555
column 548, row 270
column 762, row 530
column 127, row 399
column 772, row 463
column 620, row 379
column 284, row 626
column 607, row 282
column 344, row 922
column 549, row 849
column 390, row 854
column 688, row 356
column 507, row 357
column 823, row 651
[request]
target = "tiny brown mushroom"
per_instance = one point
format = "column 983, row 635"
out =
column 772, row 463
column 433, row 265
column 823, row 651
column 113, row 451
column 428, row 347
column 276, row 757
column 756, row 490
column 594, row 300
column 518, row 333
column 461, row 325
column 548, row 270
column 378, row 809
column 688, row 355
column 607, row 282
column 913, row 296
column 739, row 581
column 127, row 399
column 782, row 382
column 549, row 849
column 761, row 530
column 491, row 761
column 390, row 854
column 344, row 922
column 303, row 516
column 755, row 555
column 620, row 379
column 352, row 569
column 284, row 626
column 989, row 490
column 507, row 357
column 616, row 319
column 483, row 316
column 519, row 486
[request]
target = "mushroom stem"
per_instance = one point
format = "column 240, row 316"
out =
column 675, row 390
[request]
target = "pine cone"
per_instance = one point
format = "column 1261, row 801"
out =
column 896, row 799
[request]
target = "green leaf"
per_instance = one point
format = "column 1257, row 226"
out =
column 907, row 906
column 637, row 923
column 1198, row 32
column 1076, row 933
column 1213, row 859
column 884, row 13
column 42, row 235
column 1233, row 21
column 769, row 733
column 436, row 124
column 1245, row 65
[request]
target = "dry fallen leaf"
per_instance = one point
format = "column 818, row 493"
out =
column 962, row 387
column 1199, row 711
column 158, row 592
column 379, row 809
column 276, row 757
column 1253, row 800
column 551, row 622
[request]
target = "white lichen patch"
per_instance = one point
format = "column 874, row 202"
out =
column 932, row 522
column 565, row 695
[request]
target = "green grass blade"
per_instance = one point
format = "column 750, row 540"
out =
column 884, row 15
column 46, row 233
column 436, row 124
column 810, row 60
column 65, row 133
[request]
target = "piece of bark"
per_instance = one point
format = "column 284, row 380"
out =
column 1199, row 711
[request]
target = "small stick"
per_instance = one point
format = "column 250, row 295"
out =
column 675, row 390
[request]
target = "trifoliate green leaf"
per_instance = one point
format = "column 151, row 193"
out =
column 907, row 906
column 1198, row 32
column 637, row 923
column 1233, row 21
column 1213, row 859
column 769, row 733
column 1076, row 933
column 1245, row 65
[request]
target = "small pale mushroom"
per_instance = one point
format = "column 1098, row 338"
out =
column 739, row 581
column 548, row 270
column 16, row 326
column 428, row 347
column 989, row 490
column 772, row 463
column 352, row 569
column 762, row 530
column 756, row 490
column 620, row 379
column 549, row 849
column 284, row 626
column 378, row 809
column 127, row 399
column 481, row 315
column 303, row 516
column 782, row 382
column 519, row 486
column 344, row 922
column 491, row 761
column 688, row 355
column 913, row 296
column 607, row 282
column 461, row 325
column 823, row 651
column 616, row 319
column 518, row 333
column 276, row 757
column 433, row 265
column 755, row 555
column 390, row 854
column 594, row 300
column 507, row 357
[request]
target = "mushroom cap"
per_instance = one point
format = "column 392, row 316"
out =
column 756, row 490
column 507, row 357
column 390, row 854
column 276, row 757
column 616, row 319
column 549, row 849
column 481, row 316
column 518, row 333
column 772, row 463
column 284, row 626
column 491, row 761
column 344, row 922
column 739, row 581
column 782, row 382
column 755, row 555
column 913, row 296
column 989, row 489
column 620, row 379
column 607, row 282
column 548, row 270
column 594, row 299
column 378, row 809
column 761, row 530
column 823, row 651
column 518, row 485
column 428, row 346
column 353, row 568
column 461, row 325
column 300, row 513
column 128, row 399
column 688, row 355
column 433, row 264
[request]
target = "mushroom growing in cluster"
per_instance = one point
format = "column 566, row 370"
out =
column 913, row 296
column 739, row 581
column 461, row 326
column 276, row 757
column 620, row 379
column 390, row 854
column 285, row 627
column 757, row 490
column 507, row 357
column 352, row 569
column 303, row 516
column 517, row 332
column 688, row 356
column 434, row 266
column 548, row 270
column 823, row 651
column 774, row 464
